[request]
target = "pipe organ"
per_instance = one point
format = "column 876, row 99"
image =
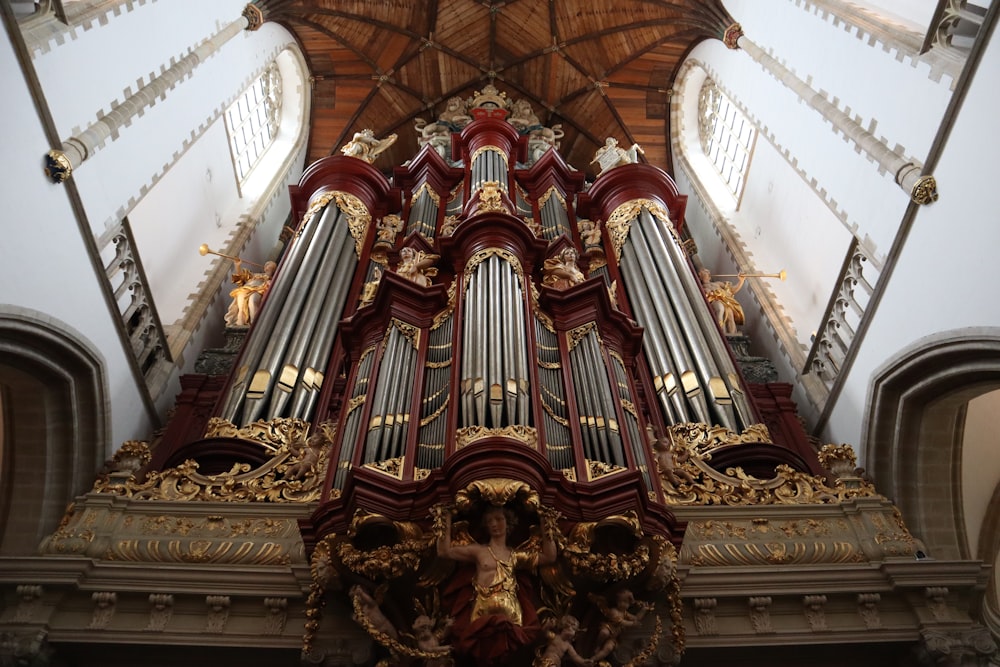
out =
column 466, row 333
column 423, row 367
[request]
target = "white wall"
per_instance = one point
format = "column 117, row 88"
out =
column 156, row 171
column 945, row 276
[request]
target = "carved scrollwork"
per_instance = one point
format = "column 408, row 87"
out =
column 688, row 479
column 294, row 473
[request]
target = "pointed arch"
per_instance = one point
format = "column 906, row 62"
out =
column 53, row 424
column 915, row 429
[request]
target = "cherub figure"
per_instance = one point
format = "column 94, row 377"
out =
column 616, row 619
column 668, row 461
column 388, row 227
column 429, row 640
column 560, row 645
column 590, row 233
column 417, row 266
column 561, row 271
column 369, row 289
column 370, row 614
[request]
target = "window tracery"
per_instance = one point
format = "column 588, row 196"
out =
column 727, row 136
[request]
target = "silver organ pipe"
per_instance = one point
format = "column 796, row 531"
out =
column 553, row 398
column 389, row 416
column 708, row 342
column 555, row 219
column 494, row 380
column 489, row 164
column 631, row 418
column 657, row 288
column 311, row 326
column 423, row 212
column 434, row 406
column 254, row 346
column 608, row 410
column 680, row 283
column 274, row 331
column 666, row 378
column 355, row 408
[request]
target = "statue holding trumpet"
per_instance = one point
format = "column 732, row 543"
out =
column 249, row 291
column 721, row 297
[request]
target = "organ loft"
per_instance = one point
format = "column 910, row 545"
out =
column 483, row 415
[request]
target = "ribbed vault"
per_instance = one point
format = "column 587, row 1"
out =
column 600, row 68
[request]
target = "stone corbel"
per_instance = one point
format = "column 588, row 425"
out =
column 29, row 600
column 868, row 609
column 104, row 609
column 760, row 614
column 277, row 615
column 161, row 608
column 218, row 613
column 815, row 612
column 704, row 617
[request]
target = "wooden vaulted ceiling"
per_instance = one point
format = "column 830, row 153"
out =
column 600, row 68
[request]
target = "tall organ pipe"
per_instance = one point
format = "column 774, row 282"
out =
column 672, row 265
column 309, row 321
column 669, row 313
column 269, row 318
column 664, row 370
column 318, row 354
column 291, row 318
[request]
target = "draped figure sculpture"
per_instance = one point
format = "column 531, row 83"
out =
column 561, row 271
column 248, row 293
column 721, row 296
column 501, row 618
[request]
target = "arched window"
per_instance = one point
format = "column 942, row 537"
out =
column 726, row 135
column 252, row 121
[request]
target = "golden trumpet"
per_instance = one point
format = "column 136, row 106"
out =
column 780, row 274
column 203, row 250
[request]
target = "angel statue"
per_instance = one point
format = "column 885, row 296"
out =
column 496, row 618
column 365, row 146
column 417, row 266
column 561, row 271
column 612, row 155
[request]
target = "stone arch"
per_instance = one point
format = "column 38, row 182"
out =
column 914, row 431
column 53, row 424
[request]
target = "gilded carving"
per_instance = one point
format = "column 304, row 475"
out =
column 731, row 36
column 392, row 467
column 294, row 473
column 254, row 16
column 469, row 434
column 490, row 199
column 682, row 458
column 552, row 192
column 620, row 221
column 57, row 166
column 924, row 191
column 596, row 469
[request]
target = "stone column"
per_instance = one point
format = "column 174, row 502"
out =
column 921, row 188
column 59, row 163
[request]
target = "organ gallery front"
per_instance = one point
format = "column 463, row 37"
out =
column 484, row 416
